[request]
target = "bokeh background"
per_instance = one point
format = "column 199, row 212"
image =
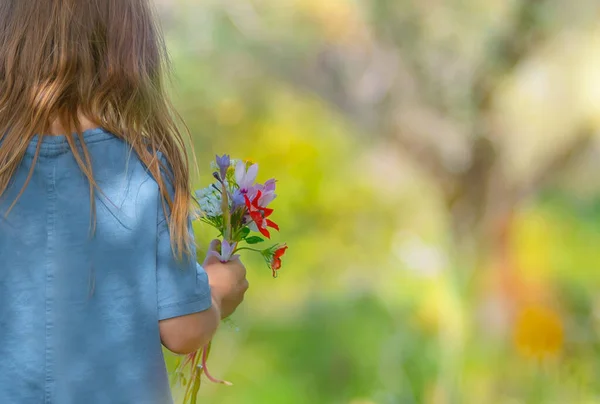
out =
column 438, row 187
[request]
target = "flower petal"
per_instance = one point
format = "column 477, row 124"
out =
column 257, row 198
column 270, row 185
column 257, row 218
column 252, row 226
column 226, row 249
column 251, row 174
column 272, row 224
column 240, row 173
column 249, row 204
column 267, row 198
column 223, row 162
column 280, row 252
column 216, row 254
column 264, row 231
column 237, row 198
column 251, row 191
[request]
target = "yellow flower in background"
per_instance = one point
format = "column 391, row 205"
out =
column 538, row 332
column 440, row 311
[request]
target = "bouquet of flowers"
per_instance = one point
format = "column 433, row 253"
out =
column 236, row 205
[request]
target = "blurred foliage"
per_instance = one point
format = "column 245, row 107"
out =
column 436, row 165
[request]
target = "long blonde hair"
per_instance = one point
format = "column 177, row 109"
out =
column 105, row 59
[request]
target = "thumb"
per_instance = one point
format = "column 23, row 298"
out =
column 215, row 245
column 212, row 256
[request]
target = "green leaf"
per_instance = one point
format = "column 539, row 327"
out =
column 254, row 240
column 244, row 233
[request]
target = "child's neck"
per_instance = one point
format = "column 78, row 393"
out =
column 57, row 128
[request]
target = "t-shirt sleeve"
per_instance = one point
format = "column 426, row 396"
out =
column 182, row 284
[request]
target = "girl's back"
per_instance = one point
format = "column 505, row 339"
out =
column 97, row 258
column 86, row 324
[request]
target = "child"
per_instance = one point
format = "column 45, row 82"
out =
column 97, row 257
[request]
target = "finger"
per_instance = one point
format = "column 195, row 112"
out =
column 215, row 245
column 212, row 255
column 237, row 266
column 210, row 260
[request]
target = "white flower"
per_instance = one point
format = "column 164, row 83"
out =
column 209, row 199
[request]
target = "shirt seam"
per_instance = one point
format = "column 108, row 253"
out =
column 194, row 300
column 50, row 147
column 51, row 223
column 93, row 138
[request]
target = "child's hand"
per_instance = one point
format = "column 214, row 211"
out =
column 227, row 281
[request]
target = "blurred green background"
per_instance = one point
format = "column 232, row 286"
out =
column 437, row 165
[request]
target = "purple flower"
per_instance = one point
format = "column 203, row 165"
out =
column 268, row 192
column 223, row 162
column 226, row 252
column 245, row 180
column 270, row 185
column 238, row 198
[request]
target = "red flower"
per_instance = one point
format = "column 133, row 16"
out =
column 259, row 215
column 276, row 259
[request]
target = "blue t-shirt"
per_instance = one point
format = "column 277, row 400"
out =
column 78, row 314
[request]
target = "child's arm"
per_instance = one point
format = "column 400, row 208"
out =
column 186, row 334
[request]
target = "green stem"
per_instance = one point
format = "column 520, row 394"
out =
column 196, row 387
column 202, row 219
column 226, row 214
column 188, row 389
column 247, row 248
